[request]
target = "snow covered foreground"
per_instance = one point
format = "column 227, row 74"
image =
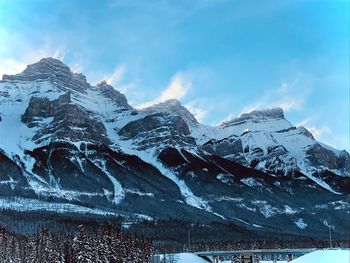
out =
column 325, row 256
column 319, row 256
column 186, row 258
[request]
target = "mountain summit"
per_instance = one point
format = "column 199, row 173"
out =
column 71, row 147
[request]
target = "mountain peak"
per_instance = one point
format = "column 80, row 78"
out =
column 173, row 102
column 271, row 113
column 50, row 60
column 257, row 116
column 47, row 65
column 102, row 83
column 168, row 104
column 110, row 92
column 53, row 70
column 174, row 106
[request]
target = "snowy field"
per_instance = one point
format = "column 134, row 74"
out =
column 183, row 258
column 325, row 256
column 192, row 258
column 268, row 261
column 319, row 256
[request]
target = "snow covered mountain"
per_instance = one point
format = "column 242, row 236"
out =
column 68, row 146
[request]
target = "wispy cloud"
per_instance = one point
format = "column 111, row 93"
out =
column 116, row 76
column 303, row 122
column 177, row 89
column 198, row 112
column 127, row 88
column 325, row 134
column 16, row 54
column 10, row 65
column 76, row 67
column 320, row 133
column 227, row 118
column 289, row 96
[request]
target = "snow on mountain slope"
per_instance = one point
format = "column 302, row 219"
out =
column 259, row 131
column 119, row 193
column 65, row 140
column 14, row 99
column 295, row 140
column 270, row 143
column 113, row 113
column 149, row 156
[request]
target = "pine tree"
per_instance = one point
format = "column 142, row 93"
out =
column 10, row 250
column 3, row 244
column 47, row 252
column 82, row 249
column 67, row 254
column 117, row 248
column 31, row 249
column 104, row 246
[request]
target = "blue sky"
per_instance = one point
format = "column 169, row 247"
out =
column 218, row 57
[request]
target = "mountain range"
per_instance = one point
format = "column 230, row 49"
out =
column 70, row 147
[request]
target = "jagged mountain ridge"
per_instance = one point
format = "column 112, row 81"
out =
column 84, row 145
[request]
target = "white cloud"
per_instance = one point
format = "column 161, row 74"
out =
column 291, row 104
column 227, row 118
column 320, row 133
column 198, row 112
column 76, row 67
column 303, row 122
column 116, row 76
column 289, row 96
column 16, row 53
column 325, row 134
column 126, row 88
column 177, row 89
column 10, row 65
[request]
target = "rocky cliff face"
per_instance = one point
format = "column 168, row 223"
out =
column 156, row 130
column 65, row 121
column 68, row 146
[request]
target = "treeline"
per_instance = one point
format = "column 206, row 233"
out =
column 174, row 235
column 161, row 247
column 29, row 222
column 104, row 244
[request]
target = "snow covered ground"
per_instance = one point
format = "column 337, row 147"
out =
column 192, row 258
column 319, row 256
column 188, row 257
column 183, row 258
column 19, row 204
column 325, row 256
column 270, row 261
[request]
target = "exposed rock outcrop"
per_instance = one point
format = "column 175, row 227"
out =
column 158, row 129
column 109, row 92
column 70, row 122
